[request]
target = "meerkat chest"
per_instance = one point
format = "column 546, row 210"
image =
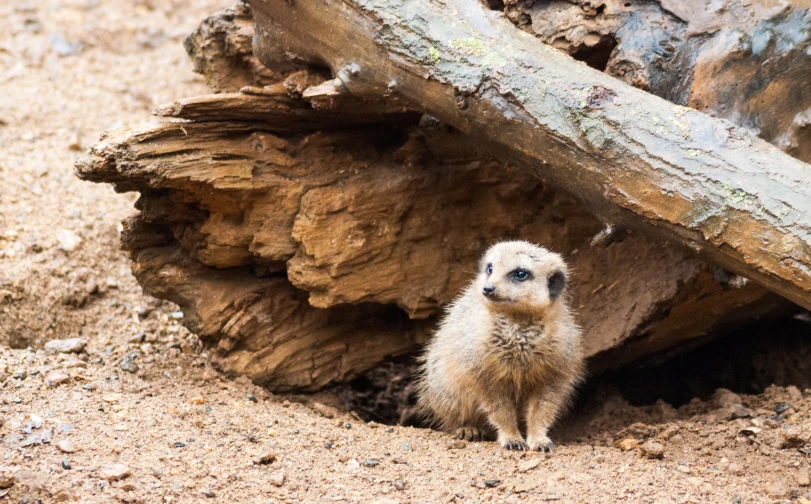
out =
column 518, row 341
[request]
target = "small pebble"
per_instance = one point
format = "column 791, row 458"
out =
column 277, row 478
column 735, row 468
column 530, row 464
column 198, row 400
column 71, row 345
column 65, row 464
column 781, row 408
column 347, row 425
column 406, row 446
column 252, row 397
column 328, row 445
column 803, row 478
column 180, row 445
column 114, row 472
column 777, row 489
column 55, row 378
column 66, row 446
column 7, row 477
column 652, row 450
column 399, row 484
column 130, row 366
column 267, row 457
column 371, row 463
column 492, row 483
column 209, row 493
column 628, row 444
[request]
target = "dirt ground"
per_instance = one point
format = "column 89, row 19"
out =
column 140, row 415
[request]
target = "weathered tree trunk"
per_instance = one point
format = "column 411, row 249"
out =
column 632, row 157
column 259, row 206
column 748, row 62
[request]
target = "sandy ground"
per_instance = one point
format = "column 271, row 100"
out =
column 139, row 415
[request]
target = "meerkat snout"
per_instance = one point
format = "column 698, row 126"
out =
column 508, row 353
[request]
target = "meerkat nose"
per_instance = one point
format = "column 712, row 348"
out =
column 488, row 290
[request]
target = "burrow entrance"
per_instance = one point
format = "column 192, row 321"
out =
column 747, row 361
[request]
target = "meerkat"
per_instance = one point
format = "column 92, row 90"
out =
column 508, row 352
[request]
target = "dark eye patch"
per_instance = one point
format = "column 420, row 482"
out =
column 555, row 284
column 520, row 275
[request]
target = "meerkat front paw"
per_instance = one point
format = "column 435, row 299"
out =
column 541, row 443
column 469, row 433
column 515, row 444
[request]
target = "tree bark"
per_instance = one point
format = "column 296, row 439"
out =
column 634, row 158
column 748, row 62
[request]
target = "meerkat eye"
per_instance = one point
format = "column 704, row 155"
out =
column 520, row 274
column 489, row 269
column 555, row 284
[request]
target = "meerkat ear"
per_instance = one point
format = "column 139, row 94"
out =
column 556, row 284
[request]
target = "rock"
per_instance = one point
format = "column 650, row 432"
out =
column 802, row 477
column 66, row 464
column 399, row 484
column 491, row 483
column 198, row 400
column 6, row 477
column 781, row 407
column 37, row 439
column 209, row 493
column 627, row 444
column 777, row 489
column 68, row 240
column 328, row 445
column 793, row 437
column 371, row 463
column 724, row 398
column 277, row 478
column 456, row 444
column 794, row 393
column 652, row 450
column 71, row 345
column 530, row 464
column 735, row 468
column 130, row 366
column 267, row 457
column 66, row 446
column 737, row 411
column 324, row 410
column 252, row 397
column 55, row 378
column 114, row 472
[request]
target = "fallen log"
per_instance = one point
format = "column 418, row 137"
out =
column 748, row 62
column 240, row 206
column 633, row 158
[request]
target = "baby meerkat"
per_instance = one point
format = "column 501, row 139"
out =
column 508, row 352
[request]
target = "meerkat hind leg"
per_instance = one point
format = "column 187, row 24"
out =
column 542, row 409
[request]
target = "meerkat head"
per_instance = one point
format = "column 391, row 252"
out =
column 519, row 277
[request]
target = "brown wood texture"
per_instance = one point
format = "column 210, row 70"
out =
column 634, row 158
column 240, row 207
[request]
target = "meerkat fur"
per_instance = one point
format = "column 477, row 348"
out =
column 508, row 352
